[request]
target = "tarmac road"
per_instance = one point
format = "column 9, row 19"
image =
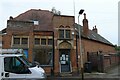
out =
column 84, row 78
column 113, row 74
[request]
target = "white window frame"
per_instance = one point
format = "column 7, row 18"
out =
column 12, row 42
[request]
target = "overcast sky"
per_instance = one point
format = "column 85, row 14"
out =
column 102, row 13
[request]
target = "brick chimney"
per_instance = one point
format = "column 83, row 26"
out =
column 95, row 29
column 85, row 26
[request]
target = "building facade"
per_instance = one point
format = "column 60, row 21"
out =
column 53, row 40
column 0, row 40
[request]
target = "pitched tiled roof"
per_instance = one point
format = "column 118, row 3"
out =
column 43, row 16
column 93, row 36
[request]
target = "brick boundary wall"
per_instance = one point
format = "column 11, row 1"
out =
column 102, row 62
column 110, row 61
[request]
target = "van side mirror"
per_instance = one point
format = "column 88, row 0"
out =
column 37, row 63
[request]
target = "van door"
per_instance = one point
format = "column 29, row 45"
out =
column 14, row 68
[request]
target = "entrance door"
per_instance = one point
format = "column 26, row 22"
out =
column 65, row 60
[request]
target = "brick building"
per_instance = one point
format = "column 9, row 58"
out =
column 95, row 47
column 53, row 39
column 92, row 41
column 0, row 39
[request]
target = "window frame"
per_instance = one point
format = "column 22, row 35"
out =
column 14, row 41
column 50, row 42
column 20, row 40
column 61, row 33
column 36, row 22
column 69, row 36
column 14, row 64
column 24, row 42
column 64, row 33
column 45, row 42
column 37, row 43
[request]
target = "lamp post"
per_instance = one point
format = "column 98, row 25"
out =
column 81, row 57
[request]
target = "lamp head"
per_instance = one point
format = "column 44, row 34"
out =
column 81, row 11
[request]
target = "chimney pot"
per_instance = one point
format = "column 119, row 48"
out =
column 10, row 18
column 84, row 15
column 95, row 29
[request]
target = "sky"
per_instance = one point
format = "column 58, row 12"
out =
column 102, row 13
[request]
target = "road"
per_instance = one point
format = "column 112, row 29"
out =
column 112, row 74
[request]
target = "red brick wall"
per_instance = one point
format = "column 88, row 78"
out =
column 64, row 21
column 56, row 62
column 110, row 61
column 92, row 46
column 7, row 41
column 106, row 62
column 114, row 59
column 73, row 60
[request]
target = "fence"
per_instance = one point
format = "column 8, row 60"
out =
column 101, row 62
column 111, row 60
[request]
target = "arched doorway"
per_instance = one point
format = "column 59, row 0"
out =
column 64, row 57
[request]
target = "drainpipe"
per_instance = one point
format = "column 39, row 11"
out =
column 77, row 54
column 52, row 68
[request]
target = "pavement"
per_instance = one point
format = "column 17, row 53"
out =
column 112, row 74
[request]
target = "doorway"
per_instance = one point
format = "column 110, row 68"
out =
column 65, row 63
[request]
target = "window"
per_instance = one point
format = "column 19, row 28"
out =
column 43, row 41
column 44, row 56
column 64, row 33
column 61, row 33
column 67, row 33
column 24, row 40
column 36, row 22
column 37, row 41
column 20, row 40
column 15, row 65
column 16, row 40
column 50, row 41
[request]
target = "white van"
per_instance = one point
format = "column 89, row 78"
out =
column 14, row 66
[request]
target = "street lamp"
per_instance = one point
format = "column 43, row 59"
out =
column 81, row 57
column 80, row 13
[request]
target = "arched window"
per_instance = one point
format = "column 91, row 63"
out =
column 61, row 26
column 67, row 26
column 64, row 32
